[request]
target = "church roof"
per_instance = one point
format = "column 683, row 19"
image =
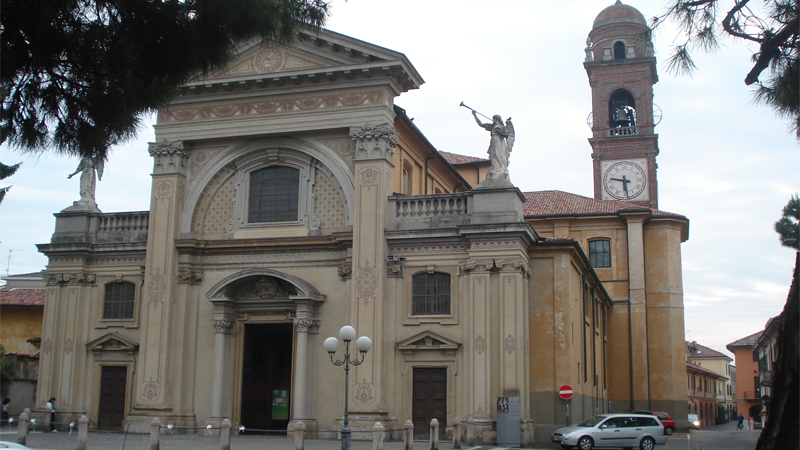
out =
column 619, row 13
column 457, row 160
column 22, row 297
column 560, row 203
column 703, row 352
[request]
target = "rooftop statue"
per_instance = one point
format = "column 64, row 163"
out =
column 91, row 170
column 500, row 145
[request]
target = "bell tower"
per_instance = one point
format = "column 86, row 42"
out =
column 622, row 71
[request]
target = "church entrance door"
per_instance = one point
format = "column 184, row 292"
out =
column 113, row 381
column 430, row 400
column 267, row 376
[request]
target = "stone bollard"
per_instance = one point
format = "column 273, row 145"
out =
column 456, row 433
column 225, row 435
column 408, row 435
column 471, row 432
column 377, row 436
column 434, row 434
column 83, row 431
column 22, row 429
column 155, row 434
column 299, row 436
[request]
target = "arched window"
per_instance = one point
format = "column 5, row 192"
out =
column 600, row 253
column 431, row 294
column 274, row 194
column 619, row 50
column 118, row 302
column 622, row 109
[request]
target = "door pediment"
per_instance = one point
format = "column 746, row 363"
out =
column 428, row 340
column 112, row 346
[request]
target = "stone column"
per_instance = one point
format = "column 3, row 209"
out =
column 480, row 336
column 220, row 390
column 638, row 304
column 373, row 185
column 300, row 368
column 153, row 377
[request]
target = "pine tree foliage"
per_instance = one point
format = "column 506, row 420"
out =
column 774, row 27
column 788, row 227
column 5, row 172
column 78, row 75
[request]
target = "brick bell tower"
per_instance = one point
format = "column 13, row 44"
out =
column 622, row 71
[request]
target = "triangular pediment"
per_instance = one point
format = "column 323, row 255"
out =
column 268, row 60
column 113, row 342
column 428, row 340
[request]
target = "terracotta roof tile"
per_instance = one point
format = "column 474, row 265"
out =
column 745, row 342
column 22, row 297
column 703, row 352
column 560, row 203
column 456, row 159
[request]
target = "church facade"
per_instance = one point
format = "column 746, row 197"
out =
column 291, row 196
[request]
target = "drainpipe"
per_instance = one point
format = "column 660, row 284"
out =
column 630, row 321
column 426, row 173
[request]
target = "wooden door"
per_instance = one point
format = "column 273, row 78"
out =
column 113, row 382
column 430, row 400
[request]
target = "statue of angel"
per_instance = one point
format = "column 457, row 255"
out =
column 88, row 167
column 500, row 146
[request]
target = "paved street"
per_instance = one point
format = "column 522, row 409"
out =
column 722, row 437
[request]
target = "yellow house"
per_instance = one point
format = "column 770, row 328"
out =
column 21, row 312
column 291, row 196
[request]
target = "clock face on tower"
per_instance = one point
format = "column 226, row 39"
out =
column 625, row 180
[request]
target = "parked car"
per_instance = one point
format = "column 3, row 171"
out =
column 694, row 422
column 665, row 418
column 13, row 445
column 613, row 430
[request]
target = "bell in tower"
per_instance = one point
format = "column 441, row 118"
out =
column 622, row 71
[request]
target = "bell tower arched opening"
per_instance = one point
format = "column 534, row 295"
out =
column 622, row 109
column 619, row 50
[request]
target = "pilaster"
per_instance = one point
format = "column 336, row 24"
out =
column 373, row 184
column 479, row 272
column 638, row 306
column 154, row 378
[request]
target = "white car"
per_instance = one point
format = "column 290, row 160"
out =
column 613, row 430
column 13, row 445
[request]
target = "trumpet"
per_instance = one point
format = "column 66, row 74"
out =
column 465, row 106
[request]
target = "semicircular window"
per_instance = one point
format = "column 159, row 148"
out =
column 274, row 194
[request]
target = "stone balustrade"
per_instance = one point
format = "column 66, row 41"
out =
column 128, row 221
column 622, row 131
column 85, row 227
column 429, row 211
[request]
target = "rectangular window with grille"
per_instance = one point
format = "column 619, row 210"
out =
column 431, row 294
column 600, row 253
column 274, row 195
column 118, row 303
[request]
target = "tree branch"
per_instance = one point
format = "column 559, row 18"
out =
column 726, row 23
column 770, row 48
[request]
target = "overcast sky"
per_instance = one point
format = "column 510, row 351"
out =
column 726, row 164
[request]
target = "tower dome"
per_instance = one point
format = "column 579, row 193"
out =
column 619, row 13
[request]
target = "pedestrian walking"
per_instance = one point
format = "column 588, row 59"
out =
column 740, row 421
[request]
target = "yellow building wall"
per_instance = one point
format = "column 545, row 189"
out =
column 17, row 325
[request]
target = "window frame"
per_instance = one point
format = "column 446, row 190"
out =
column 591, row 253
column 410, row 271
column 439, row 279
column 277, row 170
column 99, row 294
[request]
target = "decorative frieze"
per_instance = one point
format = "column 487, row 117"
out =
column 482, row 265
column 429, row 249
column 56, row 279
column 170, row 157
column 374, row 141
column 264, row 288
column 190, row 276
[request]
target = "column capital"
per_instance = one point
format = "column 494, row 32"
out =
column 482, row 265
column 303, row 324
column 223, row 326
column 170, row 156
column 513, row 265
column 374, row 141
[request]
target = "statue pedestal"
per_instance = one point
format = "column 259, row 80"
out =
column 82, row 206
column 497, row 201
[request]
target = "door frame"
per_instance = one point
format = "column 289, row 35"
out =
column 97, row 380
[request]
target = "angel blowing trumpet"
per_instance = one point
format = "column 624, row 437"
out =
column 501, row 143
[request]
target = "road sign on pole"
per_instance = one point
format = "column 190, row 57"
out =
column 565, row 392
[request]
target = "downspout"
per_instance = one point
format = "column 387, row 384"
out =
column 630, row 322
column 426, row 173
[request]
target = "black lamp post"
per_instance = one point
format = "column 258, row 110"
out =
column 363, row 345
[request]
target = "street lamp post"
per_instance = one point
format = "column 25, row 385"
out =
column 331, row 345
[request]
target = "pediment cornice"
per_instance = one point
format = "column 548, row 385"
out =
column 428, row 340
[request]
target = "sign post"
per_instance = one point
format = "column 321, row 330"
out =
column 565, row 392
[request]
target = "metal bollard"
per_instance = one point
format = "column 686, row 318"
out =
column 471, row 432
column 299, row 436
column 434, row 434
column 225, row 435
column 22, row 429
column 155, row 434
column 456, row 433
column 377, row 436
column 408, row 435
column 83, row 431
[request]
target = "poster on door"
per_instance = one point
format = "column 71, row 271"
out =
column 280, row 405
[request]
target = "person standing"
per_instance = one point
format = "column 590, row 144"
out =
column 52, row 405
column 5, row 407
column 739, row 421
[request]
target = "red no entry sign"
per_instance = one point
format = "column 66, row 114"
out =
column 565, row 392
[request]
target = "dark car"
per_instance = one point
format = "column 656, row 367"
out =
column 669, row 423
